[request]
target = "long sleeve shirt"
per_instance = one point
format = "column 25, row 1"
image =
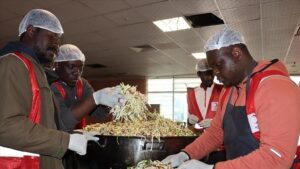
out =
column 67, row 120
column 278, row 113
column 16, row 130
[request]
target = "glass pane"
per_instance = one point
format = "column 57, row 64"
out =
column 180, row 84
column 166, row 103
column 296, row 79
column 180, row 107
column 159, row 85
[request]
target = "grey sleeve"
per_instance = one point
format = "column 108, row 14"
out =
column 88, row 90
column 100, row 113
column 67, row 121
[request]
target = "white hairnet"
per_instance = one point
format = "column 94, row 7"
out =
column 202, row 66
column 69, row 52
column 41, row 18
column 223, row 38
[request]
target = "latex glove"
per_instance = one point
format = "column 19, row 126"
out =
column 192, row 119
column 90, row 133
column 205, row 123
column 176, row 159
column 195, row 164
column 78, row 142
column 109, row 96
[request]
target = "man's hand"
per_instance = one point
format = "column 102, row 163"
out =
column 176, row 159
column 192, row 119
column 109, row 96
column 78, row 142
column 195, row 164
column 205, row 123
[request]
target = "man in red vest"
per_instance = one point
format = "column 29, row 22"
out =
column 76, row 97
column 258, row 114
column 202, row 105
column 203, row 100
column 29, row 138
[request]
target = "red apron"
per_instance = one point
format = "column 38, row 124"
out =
column 13, row 159
column 79, row 87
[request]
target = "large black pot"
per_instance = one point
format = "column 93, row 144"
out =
column 121, row 152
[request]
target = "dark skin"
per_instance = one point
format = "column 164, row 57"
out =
column 231, row 64
column 44, row 43
column 207, row 78
column 70, row 72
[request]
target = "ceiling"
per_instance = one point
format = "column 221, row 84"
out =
column 105, row 29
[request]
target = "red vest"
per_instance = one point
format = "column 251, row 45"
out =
column 26, row 162
column 79, row 89
column 193, row 107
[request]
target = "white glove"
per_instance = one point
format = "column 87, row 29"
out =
column 205, row 123
column 90, row 133
column 195, row 164
column 176, row 159
column 109, row 96
column 192, row 119
column 78, row 143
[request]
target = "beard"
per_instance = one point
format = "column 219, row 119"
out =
column 46, row 57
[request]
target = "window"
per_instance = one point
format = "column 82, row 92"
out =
column 296, row 79
column 170, row 94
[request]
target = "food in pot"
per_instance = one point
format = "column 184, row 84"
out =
column 149, row 164
column 154, row 126
column 134, row 107
column 134, row 119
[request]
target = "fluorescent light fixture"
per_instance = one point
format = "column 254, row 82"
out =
column 172, row 24
column 200, row 55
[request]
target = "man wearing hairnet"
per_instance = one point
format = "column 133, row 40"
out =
column 77, row 98
column 257, row 116
column 29, row 138
column 203, row 100
column 202, row 104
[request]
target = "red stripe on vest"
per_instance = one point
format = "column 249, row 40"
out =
column 61, row 90
column 79, row 87
column 79, row 90
column 252, row 89
column 27, row 162
column 193, row 105
column 34, row 114
column 213, row 97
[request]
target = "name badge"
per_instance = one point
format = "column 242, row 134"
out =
column 214, row 106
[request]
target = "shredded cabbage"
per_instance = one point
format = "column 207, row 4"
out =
column 134, row 119
column 149, row 164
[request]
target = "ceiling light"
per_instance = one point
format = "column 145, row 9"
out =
column 200, row 55
column 173, row 24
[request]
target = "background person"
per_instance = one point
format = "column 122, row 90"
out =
column 258, row 114
column 28, row 114
column 203, row 103
column 77, row 99
column 203, row 100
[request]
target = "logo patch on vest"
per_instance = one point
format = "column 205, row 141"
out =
column 214, row 106
column 253, row 122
